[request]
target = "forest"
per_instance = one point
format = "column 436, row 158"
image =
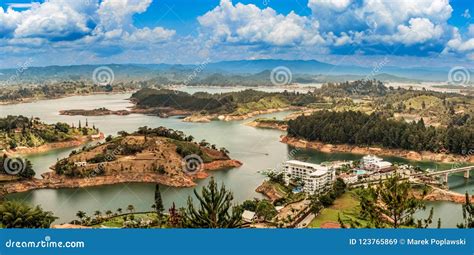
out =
column 220, row 103
column 357, row 128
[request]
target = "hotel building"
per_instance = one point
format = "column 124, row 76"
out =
column 316, row 178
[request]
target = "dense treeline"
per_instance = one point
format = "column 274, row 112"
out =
column 353, row 88
column 361, row 129
column 218, row 103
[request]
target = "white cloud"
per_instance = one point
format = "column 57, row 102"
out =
column 470, row 30
column 466, row 14
column 117, row 14
column 383, row 21
column 419, row 30
column 80, row 22
column 335, row 5
column 460, row 45
column 248, row 24
column 55, row 19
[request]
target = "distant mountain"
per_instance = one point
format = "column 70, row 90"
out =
column 244, row 72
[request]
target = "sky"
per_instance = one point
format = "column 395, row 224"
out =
column 353, row 32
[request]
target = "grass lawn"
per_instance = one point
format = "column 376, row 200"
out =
column 117, row 222
column 347, row 206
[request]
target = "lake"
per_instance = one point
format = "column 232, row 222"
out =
column 258, row 149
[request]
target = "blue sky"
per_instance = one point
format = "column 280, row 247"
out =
column 66, row 32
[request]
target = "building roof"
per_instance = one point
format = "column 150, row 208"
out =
column 371, row 158
column 319, row 172
column 306, row 164
column 248, row 215
column 382, row 164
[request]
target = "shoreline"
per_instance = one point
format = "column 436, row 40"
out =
column 54, row 146
column 53, row 181
column 33, row 100
column 364, row 150
column 267, row 125
column 233, row 117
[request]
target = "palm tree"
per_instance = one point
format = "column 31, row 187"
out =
column 108, row 213
column 97, row 214
column 130, row 208
column 14, row 214
column 215, row 210
column 119, row 210
column 81, row 215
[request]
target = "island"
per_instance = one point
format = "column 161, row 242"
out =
column 95, row 112
column 23, row 135
column 149, row 155
column 204, row 107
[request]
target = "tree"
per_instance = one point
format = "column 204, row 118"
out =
column 119, row 210
column 98, row 214
column 250, row 205
column 14, row 214
column 215, row 209
column 130, row 208
column 266, row 210
column 326, row 200
column 391, row 204
column 174, row 219
column 158, row 206
column 81, row 215
column 467, row 214
column 316, row 205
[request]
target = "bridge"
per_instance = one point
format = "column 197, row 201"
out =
column 446, row 173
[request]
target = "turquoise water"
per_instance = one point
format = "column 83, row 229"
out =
column 258, row 149
column 360, row 172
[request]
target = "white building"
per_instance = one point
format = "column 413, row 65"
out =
column 80, row 164
column 248, row 216
column 316, row 178
column 349, row 178
column 374, row 163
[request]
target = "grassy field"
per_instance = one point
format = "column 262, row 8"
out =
column 262, row 104
column 347, row 206
column 117, row 222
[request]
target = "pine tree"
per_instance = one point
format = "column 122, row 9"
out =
column 215, row 209
column 467, row 214
column 390, row 204
column 174, row 219
column 158, row 201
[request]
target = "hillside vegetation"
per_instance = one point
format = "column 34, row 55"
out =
column 357, row 128
column 16, row 131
